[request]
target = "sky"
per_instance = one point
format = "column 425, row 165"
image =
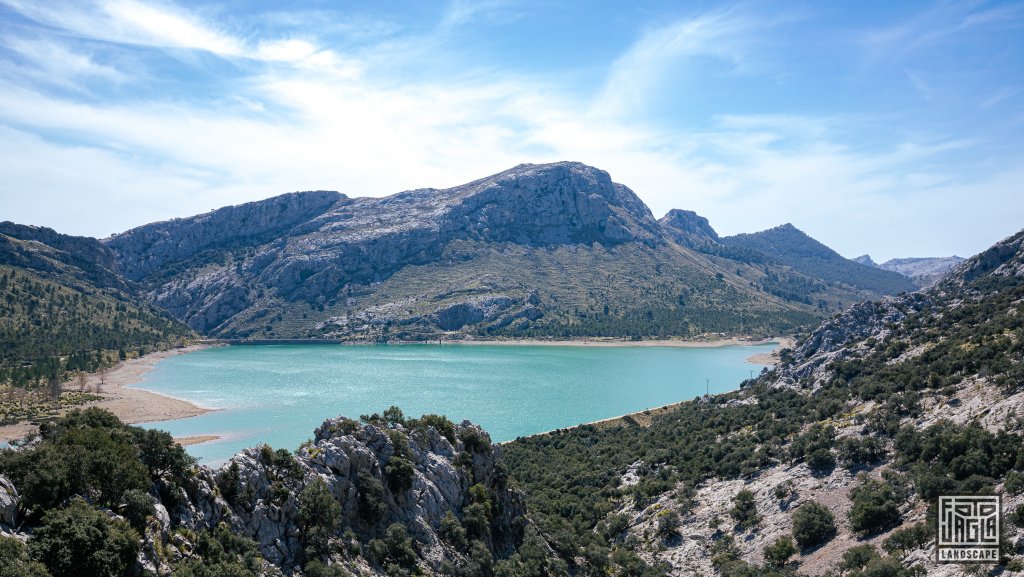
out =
column 889, row 128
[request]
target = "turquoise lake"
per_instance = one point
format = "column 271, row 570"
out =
column 277, row 394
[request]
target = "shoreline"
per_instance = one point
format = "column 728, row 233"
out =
column 131, row 405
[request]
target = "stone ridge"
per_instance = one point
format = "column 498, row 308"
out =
column 72, row 258
column 147, row 248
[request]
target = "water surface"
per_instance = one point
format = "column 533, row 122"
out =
column 278, row 394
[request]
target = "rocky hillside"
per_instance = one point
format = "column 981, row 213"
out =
column 64, row 306
column 381, row 496
column 538, row 250
column 831, row 462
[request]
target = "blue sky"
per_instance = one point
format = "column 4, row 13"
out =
column 892, row 128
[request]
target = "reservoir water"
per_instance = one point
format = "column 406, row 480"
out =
column 277, row 394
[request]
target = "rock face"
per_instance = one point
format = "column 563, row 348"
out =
column 689, row 229
column 8, row 504
column 146, row 249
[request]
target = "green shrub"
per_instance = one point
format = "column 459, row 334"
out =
column 778, row 553
column 1014, row 483
column 908, row 539
column 442, row 424
column 744, row 510
column 821, row 461
column 451, row 531
column 858, row 557
column 372, row 495
column 400, row 474
column 80, row 541
column 668, row 524
column 813, row 525
column 475, row 441
column 854, row 452
column 137, row 508
column 875, row 507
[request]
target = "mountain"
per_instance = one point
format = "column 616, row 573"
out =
column 790, row 246
column 793, row 267
column 64, row 306
column 537, row 250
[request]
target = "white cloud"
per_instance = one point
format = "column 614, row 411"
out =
column 310, row 117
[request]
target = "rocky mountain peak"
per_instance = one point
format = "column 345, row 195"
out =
column 865, row 259
column 688, row 228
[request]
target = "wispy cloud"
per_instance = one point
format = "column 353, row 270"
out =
column 290, row 110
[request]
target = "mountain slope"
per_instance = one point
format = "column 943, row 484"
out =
column 790, row 246
column 872, row 416
column 64, row 306
column 771, row 268
column 538, row 250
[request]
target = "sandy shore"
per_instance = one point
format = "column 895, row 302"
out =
column 130, row 405
column 186, row 441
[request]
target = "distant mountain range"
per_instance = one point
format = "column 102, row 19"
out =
column 924, row 272
column 555, row 250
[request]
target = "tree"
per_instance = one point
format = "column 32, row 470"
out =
column 778, row 553
column 54, row 387
column 80, row 541
column 319, row 513
column 372, row 505
column 813, row 525
column 15, row 562
column 161, row 454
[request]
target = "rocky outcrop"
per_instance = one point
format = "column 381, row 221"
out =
column 9, row 501
column 865, row 259
column 689, row 229
column 352, row 459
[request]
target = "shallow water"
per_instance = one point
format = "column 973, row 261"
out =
column 278, row 394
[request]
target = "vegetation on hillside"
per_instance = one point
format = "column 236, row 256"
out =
column 573, row 478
